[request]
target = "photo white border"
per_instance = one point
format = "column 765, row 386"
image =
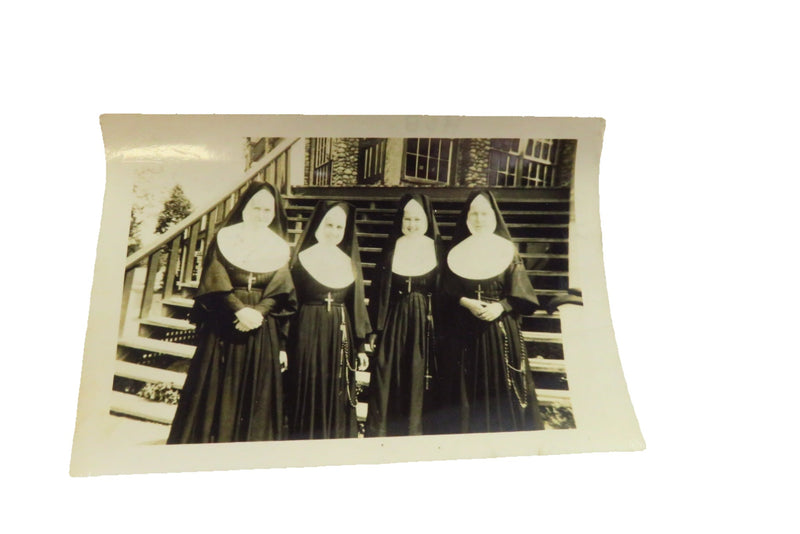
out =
column 604, row 416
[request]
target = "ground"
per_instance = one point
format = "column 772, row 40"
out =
column 126, row 431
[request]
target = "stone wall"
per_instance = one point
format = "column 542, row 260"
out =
column 344, row 156
column 306, row 160
column 565, row 164
column 472, row 162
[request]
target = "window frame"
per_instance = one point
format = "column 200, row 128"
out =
column 451, row 162
column 545, row 167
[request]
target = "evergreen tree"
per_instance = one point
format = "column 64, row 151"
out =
column 176, row 208
column 134, row 239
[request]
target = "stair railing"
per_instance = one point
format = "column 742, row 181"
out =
column 174, row 260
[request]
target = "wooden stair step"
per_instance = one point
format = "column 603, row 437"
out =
column 167, row 322
column 132, row 405
column 297, row 231
column 144, row 373
column 545, row 365
column 542, row 337
column 181, row 302
column 549, row 291
column 155, row 345
column 442, row 224
column 540, row 272
column 546, row 255
column 553, row 397
column 514, row 213
column 527, row 240
column 438, row 195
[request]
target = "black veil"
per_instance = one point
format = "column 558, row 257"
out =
column 520, row 292
column 214, row 279
column 381, row 288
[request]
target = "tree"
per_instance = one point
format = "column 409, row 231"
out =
column 176, row 208
column 134, row 239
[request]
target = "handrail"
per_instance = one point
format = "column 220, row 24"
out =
column 197, row 214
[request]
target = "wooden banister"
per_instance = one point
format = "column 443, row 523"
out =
column 251, row 174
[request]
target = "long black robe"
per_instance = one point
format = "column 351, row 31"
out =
column 494, row 383
column 323, row 342
column 489, row 376
column 405, row 311
column 233, row 389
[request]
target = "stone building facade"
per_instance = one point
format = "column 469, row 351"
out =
column 466, row 162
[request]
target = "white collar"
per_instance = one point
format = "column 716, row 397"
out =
column 259, row 252
column 414, row 256
column 479, row 257
column 329, row 265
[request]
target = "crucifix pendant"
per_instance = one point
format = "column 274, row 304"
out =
column 479, row 292
column 329, row 299
column 250, row 280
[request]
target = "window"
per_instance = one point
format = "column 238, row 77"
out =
column 321, row 165
column 522, row 162
column 429, row 159
column 371, row 160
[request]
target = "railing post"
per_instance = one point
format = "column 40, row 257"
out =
column 172, row 263
column 150, row 283
column 126, row 296
column 186, row 275
column 211, row 226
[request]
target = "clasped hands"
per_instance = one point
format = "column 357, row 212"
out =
column 248, row 319
column 485, row 311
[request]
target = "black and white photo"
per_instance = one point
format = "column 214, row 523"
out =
column 355, row 281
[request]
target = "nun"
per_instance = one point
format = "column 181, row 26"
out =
column 327, row 335
column 403, row 304
column 233, row 389
column 487, row 290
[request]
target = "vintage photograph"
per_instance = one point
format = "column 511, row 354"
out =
column 320, row 288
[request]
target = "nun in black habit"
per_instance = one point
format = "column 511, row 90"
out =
column 233, row 389
column 331, row 325
column 403, row 305
column 487, row 290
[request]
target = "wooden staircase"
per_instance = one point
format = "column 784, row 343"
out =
column 156, row 341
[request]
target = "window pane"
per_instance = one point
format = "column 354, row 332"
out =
column 537, row 151
column 423, row 146
column 411, row 165
column 529, row 147
column 422, row 168
column 432, row 169
column 435, row 148
column 412, row 145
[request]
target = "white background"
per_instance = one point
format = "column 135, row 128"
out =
column 698, row 180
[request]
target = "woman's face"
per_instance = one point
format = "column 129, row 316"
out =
column 259, row 210
column 331, row 229
column 480, row 218
column 414, row 220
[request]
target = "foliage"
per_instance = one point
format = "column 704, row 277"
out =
column 160, row 392
column 176, row 208
column 557, row 417
column 134, row 238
